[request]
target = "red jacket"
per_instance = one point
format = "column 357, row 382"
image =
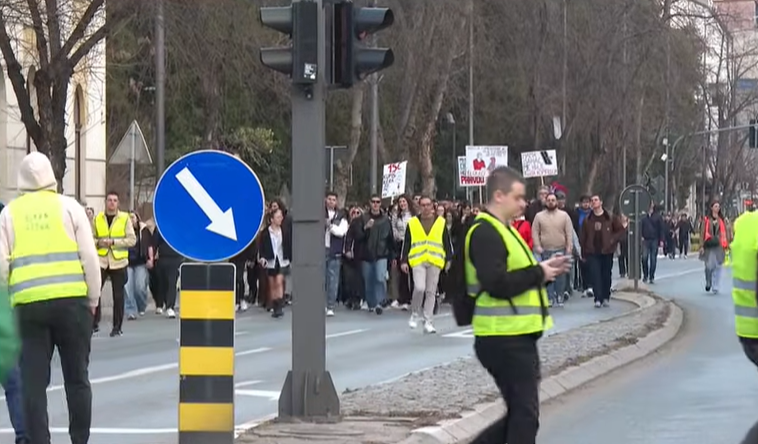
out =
column 524, row 228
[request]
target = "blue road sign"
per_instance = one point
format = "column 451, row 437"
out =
column 208, row 206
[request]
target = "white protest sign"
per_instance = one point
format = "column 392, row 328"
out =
column 481, row 160
column 465, row 179
column 539, row 163
column 393, row 179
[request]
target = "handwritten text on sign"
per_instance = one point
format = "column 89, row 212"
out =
column 539, row 163
column 393, row 179
column 464, row 178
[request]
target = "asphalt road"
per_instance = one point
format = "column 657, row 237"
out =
column 135, row 377
column 698, row 389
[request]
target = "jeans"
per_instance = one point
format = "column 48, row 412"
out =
column 374, row 274
column 14, row 400
column 65, row 324
column 136, row 290
column 649, row 258
column 713, row 277
column 333, row 267
column 600, row 268
column 514, row 363
column 556, row 288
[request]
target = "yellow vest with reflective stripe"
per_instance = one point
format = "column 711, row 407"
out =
column 117, row 230
column 426, row 248
column 744, row 250
column 44, row 263
column 524, row 314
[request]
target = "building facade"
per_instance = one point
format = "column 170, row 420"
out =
column 85, row 126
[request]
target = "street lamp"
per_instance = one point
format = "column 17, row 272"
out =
column 450, row 120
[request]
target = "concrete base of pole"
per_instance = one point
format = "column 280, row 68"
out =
column 308, row 396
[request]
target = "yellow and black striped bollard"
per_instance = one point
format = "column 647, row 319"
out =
column 206, row 354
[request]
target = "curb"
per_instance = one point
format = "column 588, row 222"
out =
column 473, row 422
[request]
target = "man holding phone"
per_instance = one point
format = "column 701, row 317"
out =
column 511, row 306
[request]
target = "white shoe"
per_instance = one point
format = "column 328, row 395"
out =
column 413, row 322
column 170, row 313
column 395, row 304
column 405, row 307
column 329, row 313
column 244, row 306
column 159, row 311
column 429, row 328
column 364, row 306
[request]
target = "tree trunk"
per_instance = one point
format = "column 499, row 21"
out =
column 342, row 169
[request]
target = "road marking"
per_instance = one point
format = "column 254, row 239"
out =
column 468, row 333
column 270, row 394
column 105, row 431
column 240, row 333
column 246, row 383
column 253, row 351
column 345, row 333
column 146, row 371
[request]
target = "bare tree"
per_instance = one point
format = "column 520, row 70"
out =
column 65, row 33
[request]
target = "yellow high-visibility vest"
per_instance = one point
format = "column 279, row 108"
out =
column 44, row 263
column 744, row 249
column 117, row 230
column 426, row 248
column 524, row 314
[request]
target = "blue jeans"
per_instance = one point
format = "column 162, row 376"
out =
column 333, row 266
column 556, row 288
column 374, row 274
column 135, row 290
column 649, row 258
column 14, row 400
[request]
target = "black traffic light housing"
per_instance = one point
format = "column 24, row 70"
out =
column 300, row 59
column 352, row 60
column 752, row 136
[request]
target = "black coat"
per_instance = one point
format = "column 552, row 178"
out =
column 266, row 250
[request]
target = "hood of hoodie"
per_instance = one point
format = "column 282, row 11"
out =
column 36, row 174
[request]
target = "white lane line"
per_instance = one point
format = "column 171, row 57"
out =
column 345, row 333
column 246, row 383
column 147, row 371
column 270, row 394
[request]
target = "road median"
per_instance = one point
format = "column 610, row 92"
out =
column 451, row 403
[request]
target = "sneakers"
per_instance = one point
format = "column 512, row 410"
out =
column 598, row 304
column 131, row 317
column 588, row 293
column 413, row 322
column 429, row 328
column 378, row 310
column 606, row 304
column 243, row 305
column 159, row 311
column 405, row 307
column 395, row 304
column 329, row 312
column 170, row 313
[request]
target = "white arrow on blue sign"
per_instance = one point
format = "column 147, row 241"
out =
column 208, row 206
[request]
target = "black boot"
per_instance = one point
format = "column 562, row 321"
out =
column 278, row 309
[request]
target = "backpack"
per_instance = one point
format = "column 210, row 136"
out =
column 463, row 304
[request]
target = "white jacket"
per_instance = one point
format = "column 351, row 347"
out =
column 36, row 174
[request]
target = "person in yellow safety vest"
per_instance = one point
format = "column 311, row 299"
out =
column 744, row 285
column 114, row 235
column 427, row 250
column 50, row 265
column 507, row 287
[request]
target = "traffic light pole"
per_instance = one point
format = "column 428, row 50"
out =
column 309, row 391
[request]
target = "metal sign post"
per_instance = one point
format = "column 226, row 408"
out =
column 308, row 390
column 634, row 202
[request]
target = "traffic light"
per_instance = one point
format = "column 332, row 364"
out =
column 352, row 60
column 752, row 139
column 300, row 22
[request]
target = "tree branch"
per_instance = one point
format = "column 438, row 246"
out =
column 81, row 27
column 39, row 32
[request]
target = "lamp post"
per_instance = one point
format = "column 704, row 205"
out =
column 450, row 119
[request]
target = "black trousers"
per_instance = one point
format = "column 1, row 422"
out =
column 514, row 363
column 750, row 346
column 168, row 272
column 65, row 324
column 684, row 244
column 118, row 281
column 600, row 268
column 624, row 258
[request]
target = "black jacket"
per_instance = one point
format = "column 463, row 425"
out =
column 266, row 250
column 652, row 227
column 374, row 243
column 163, row 249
